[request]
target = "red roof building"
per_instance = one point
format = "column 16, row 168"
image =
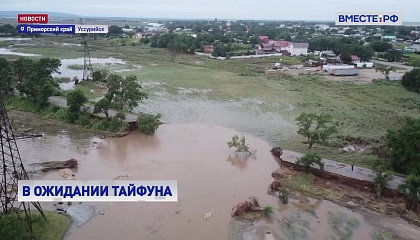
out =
column 263, row 38
column 355, row 58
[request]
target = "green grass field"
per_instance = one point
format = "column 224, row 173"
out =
column 363, row 110
column 53, row 228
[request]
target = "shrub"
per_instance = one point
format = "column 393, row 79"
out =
column 148, row 123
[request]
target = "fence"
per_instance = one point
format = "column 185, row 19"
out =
column 238, row 57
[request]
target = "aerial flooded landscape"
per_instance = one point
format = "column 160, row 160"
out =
column 273, row 130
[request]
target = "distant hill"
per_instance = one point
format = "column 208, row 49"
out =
column 50, row 14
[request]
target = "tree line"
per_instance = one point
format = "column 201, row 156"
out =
column 31, row 78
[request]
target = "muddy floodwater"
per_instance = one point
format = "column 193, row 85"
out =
column 209, row 175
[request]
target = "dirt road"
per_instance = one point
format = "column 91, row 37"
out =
column 343, row 169
column 393, row 64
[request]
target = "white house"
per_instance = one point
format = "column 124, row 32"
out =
column 127, row 30
column 297, row 49
column 138, row 35
column 322, row 27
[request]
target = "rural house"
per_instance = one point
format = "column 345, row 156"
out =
column 283, row 47
column 297, row 49
column 263, row 39
column 208, row 49
column 355, row 59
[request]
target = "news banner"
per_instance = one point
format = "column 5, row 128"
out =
column 38, row 23
column 97, row 191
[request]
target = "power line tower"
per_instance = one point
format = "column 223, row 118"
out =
column 87, row 65
column 11, row 171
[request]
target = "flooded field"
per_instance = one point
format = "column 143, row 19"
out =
column 5, row 51
column 209, row 176
column 192, row 149
column 192, row 105
column 66, row 72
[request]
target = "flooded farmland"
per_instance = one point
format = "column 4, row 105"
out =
column 210, row 176
column 192, row 149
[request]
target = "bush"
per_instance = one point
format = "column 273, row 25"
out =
column 11, row 227
column 411, row 80
column 268, row 210
column 283, row 196
column 84, row 120
column 148, row 123
column 108, row 124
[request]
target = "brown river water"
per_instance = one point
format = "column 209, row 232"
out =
column 209, row 175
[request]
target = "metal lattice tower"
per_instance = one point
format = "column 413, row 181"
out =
column 11, row 171
column 87, row 65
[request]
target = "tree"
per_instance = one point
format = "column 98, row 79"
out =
column 379, row 46
column 33, row 78
column 415, row 62
column 102, row 106
column 411, row 187
column 316, row 128
column 310, row 159
column 411, row 80
column 239, row 144
column 393, row 55
column 129, row 94
column 75, row 100
column 365, row 53
column 100, row 76
column 253, row 40
column 345, row 57
column 381, row 177
column 120, row 115
column 404, row 146
column 385, row 71
column 6, row 77
column 115, row 30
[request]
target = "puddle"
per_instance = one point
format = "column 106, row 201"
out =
column 5, row 51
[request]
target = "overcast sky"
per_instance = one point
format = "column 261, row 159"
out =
column 222, row 9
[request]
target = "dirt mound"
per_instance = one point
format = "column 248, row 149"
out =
column 251, row 204
column 277, row 151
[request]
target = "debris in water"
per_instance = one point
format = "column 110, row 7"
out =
column 81, row 213
column 249, row 205
column 274, row 187
column 54, row 165
column 66, row 175
column 277, row 151
column 102, row 212
column 208, row 215
column 120, row 176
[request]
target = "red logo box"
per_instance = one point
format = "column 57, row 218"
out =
column 32, row 18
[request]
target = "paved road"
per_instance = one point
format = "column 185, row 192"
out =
column 62, row 102
column 343, row 169
column 392, row 64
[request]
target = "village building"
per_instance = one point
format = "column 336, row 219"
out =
column 284, row 47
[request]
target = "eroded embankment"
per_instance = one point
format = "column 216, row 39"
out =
column 349, row 192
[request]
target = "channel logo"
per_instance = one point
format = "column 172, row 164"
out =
column 390, row 19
